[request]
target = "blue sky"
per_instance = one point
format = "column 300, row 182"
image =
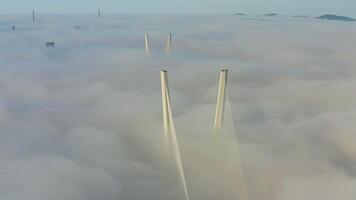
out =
column 311, row 7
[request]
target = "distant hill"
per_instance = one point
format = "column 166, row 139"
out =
column 337, row 17
column 240, row 14
column 271, row 14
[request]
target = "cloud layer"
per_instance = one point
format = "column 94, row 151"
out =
column 83, row 120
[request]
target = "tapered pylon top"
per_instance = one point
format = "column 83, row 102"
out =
column 220, row 103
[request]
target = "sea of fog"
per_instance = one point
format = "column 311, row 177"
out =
column 83, row 120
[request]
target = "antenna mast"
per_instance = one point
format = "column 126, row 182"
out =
column 33, row 15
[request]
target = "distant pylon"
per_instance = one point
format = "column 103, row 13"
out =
column 220, row 103
column 169, row 44
column 147, row 45
column 99, row 13
column 169, row 130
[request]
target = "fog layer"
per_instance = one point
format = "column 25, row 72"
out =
column 82, row 121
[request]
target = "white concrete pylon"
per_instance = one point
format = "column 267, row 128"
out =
column 147, row 45
column 170, row 132
column 165, row 97
column 220, row 103
column 169, row 44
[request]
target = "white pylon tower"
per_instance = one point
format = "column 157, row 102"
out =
column 169, row 44
column 220, row 103
column 165, row 105
column 147, row 45
column 169, row 130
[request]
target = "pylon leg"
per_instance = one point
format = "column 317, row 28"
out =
column 170, row 132
column 220, row 103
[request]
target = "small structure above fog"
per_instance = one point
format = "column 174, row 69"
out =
column 337, row 18
column 50, row 44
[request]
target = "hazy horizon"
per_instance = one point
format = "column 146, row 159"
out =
column 287, row 7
